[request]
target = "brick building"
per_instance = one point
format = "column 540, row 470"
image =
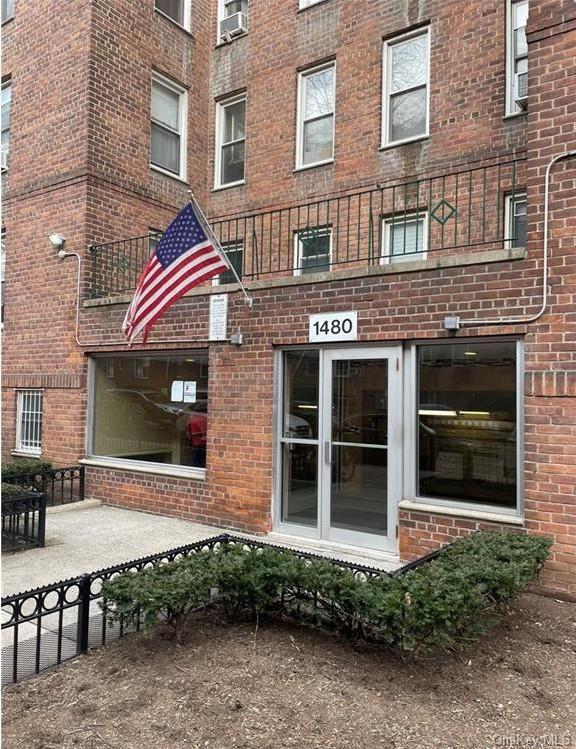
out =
column 376, row 170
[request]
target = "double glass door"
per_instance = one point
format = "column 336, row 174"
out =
column 339, row 444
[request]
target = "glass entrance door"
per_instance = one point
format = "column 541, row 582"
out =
column 340, row 445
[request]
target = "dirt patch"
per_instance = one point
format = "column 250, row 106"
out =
column 234, row 687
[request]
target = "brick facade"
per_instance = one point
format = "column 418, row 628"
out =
column 86, row 174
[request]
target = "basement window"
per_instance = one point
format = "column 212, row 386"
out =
column 151, row 410
column 29, row 422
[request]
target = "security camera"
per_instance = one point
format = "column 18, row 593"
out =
column 57, row 241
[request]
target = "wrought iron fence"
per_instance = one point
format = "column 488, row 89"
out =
column 61, row 486
column 414, row 219
column 23, row 521
column 48, row 625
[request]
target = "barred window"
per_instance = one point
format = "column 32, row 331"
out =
column 29, row 421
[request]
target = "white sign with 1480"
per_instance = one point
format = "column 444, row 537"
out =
column 333, row 326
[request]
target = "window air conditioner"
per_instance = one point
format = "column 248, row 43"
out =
column 233, row 25
column 521, row 89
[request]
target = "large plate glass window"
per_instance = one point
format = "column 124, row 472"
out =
column 231, row 142
column 151, row 408
column 517, row 57
column 29, row 421
column 315, row 138
column 467, row 421
column 168, row 126
column 405, row 237
column 405, row 86
column 313, row 250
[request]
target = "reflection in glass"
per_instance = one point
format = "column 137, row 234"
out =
column 410, row 63
column 301, row 394
column 467, row 422
column 142, row 412
column 314, row 250
column 359, row 489
column 299, row 483
column 360, row 401
column 408, row 114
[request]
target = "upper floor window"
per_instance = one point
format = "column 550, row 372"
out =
column 2, row 272
column 168, row 115
column 307, row 3
column 6, row 99
column 7, row 10
column 232, row 19
column 177, row 10
column 315, row 135
column 313, row 250
column 405, row 237
column 516, row 56
column 515, row 223
column 29, row 421
column 406, row 88
column 230, row 141
column 234, row 252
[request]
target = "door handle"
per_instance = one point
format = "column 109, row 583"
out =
column 327, row 452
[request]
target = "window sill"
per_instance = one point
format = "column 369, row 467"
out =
column 166, row 173
column 217, row 188
column 26, row 453
column 462, row 512
column 173, row 22
column 515, row 115
column 182, row 472
column 397, row 143
column 221, row 44
column 312, row 5
column 328, row 162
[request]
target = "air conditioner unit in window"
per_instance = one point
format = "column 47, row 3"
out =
column 521, row 89
column 233, row 25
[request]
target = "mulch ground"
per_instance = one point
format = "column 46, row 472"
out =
column 234, row 687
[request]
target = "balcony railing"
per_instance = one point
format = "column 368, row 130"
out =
column 456, row 213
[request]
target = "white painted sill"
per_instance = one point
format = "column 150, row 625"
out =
column 166, row 173
column 461, row 512
column 26, row 454
column 181, row 472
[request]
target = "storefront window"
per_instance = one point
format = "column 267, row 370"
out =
column 151, row 408
column 467, row 422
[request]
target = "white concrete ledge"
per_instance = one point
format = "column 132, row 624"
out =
column 194, row 474
column 433, row 509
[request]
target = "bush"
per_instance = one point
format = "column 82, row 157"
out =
column 12, row 491
column 24, row 466
column 442, row 603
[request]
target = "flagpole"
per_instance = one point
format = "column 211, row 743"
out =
column 209, row 233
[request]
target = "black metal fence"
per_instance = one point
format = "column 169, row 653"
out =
column 48, row 625
column 61, row 486
column 23, row 522
column 463, row 211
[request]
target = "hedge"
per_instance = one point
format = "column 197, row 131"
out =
column 443, row 603
column 24, row 466
column 13, row 491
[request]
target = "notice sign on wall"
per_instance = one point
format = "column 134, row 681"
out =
column 218, row 317
column 333, row 326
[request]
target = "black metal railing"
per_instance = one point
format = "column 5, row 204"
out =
column 61, row 486
column 48, row 625
column 416, row 218
column 23, row 522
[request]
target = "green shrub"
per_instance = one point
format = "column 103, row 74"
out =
column 443, row 603
column 12, row 491
column 23, row 465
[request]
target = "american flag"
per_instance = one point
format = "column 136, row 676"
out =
column 184, row 258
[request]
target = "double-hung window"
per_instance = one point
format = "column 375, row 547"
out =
column 230, row 141
column 406, row 88
column 168, row 125
column 29, row 421
column 6, row 99
column 516, row 56
column 515, row 223
column 177, row 10
column 405, row 237
column 315, row 135
column 234, row 252
column 232, row 19
column 313, row 250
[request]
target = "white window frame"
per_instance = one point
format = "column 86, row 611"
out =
column 410, row 438
column 221, row 16
column 235, row 247
column 219, row 140
column 303, row 4
column 161, row 80
column 300, row 108
column 37, row 397
column 5, row 153
column 510, row 200
column 298, row 248
column 386, row 141
column 511, row 107
column 186, row 14
column 388, row 222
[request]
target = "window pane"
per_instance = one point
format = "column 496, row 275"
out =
column 172, row 8
column 235, row 256
column 299, row 483
column 142, row 411
column 409, row 65
column 301, row 372
column 467, row 422
column 519, row 224
column 520, row 13
column 165, row 106
column 165, row 150
column 408, row 115
column 6, row 96
column 233, row 163
column 234, row 121
column 314, row 251
column 318, row 136
column 319, row 96
column 235, row 6
column 405, row 238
